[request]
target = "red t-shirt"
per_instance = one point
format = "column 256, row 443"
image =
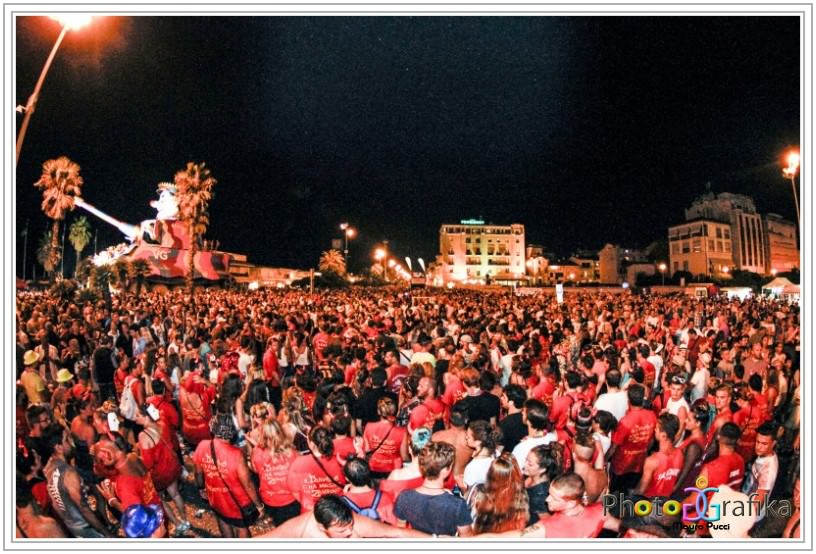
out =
column 343, row 448
column 222, row 480
column 633, row 436
column 385, row 508
column 748, row 419
column 544, row 392
column 270, row 367
column 309, row 483
column 561, row 408
column 396, row 374
column 727, row 469
column 162, row 463
column 649, row 372
column 388, row 437
column 195, row 399
column 396, row 487
column 273, row 471
column 665, row 474
column 132, row 489
column 585, row 526
column 454, row 391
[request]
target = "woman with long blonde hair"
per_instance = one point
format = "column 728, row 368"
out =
column 501, row 504
column 271, row 458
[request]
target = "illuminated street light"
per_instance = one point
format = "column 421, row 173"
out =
column 69, row 22
column 348, row 233
column 662, row 268
column 774, row 272
column 789, row 172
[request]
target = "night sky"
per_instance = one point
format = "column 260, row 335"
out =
column 585, row 129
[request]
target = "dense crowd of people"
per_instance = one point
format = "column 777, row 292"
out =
column 386, row 413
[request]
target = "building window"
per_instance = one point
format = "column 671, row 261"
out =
column 696, row 245
column 727, row 246
column 676, row 267
column 719, row 233
column 711, row 245
column 685, row 265
column 686, row 247
column 727, row 234
column 675, row 248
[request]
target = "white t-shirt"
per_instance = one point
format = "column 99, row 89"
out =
column 476, row 471
column 762, row 476
column 523, row 448
column 616, row 403
column 700, row 383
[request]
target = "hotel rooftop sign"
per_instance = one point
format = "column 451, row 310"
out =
column 471, row 222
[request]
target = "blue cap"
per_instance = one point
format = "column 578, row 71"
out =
column 140, row 521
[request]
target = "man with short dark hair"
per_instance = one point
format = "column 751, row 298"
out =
column 512, row 424
column 761, row 477
column 365, row 409
column 630, row 441
column 332, row 518
column 65, row 486
column 456, row 435
column 613, row 400
column 431, row 508
column 535, row 415
column 480, row 404
column 661, row 469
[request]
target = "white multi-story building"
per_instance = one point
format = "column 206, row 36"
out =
column 475, row 252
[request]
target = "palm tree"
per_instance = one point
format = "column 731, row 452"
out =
column 46, row 252
column 101, row 277
column 120, row 274
column 194, row 191
column 79, row 234
column 60, row 183
column 138, row 270
column 84, row 271
column 332, row 261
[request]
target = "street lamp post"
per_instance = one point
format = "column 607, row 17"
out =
column 662, row 268
column 380, row 255
column 68, row 23
column 348, row 233
column 789, row 172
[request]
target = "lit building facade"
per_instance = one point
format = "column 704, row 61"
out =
column 475, row 252
column 702, row 247
column 747, row 234
column 780, row 244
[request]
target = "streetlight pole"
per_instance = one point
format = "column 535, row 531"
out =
column 790, row 173
column 662, row 268
column 67, row 24
column 25, row 248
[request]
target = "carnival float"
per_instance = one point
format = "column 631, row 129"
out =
column 164, row 243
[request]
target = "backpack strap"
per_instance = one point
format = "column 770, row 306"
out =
column 377, row 497
column 351, row 503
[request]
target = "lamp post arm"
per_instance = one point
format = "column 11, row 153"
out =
column 32, row 100
column 795, row 198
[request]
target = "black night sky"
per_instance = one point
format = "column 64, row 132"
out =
column 586, row 129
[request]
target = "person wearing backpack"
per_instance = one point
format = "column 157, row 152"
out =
column 133, row 396
column 362, row 497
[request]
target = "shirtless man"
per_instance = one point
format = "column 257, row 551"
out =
column 595, row 480
column 30, row 524
column 334, row 519
column 456, row 436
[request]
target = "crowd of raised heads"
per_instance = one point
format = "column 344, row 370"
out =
column 386, row 413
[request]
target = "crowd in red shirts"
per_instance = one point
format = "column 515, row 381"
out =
column 379, row 412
